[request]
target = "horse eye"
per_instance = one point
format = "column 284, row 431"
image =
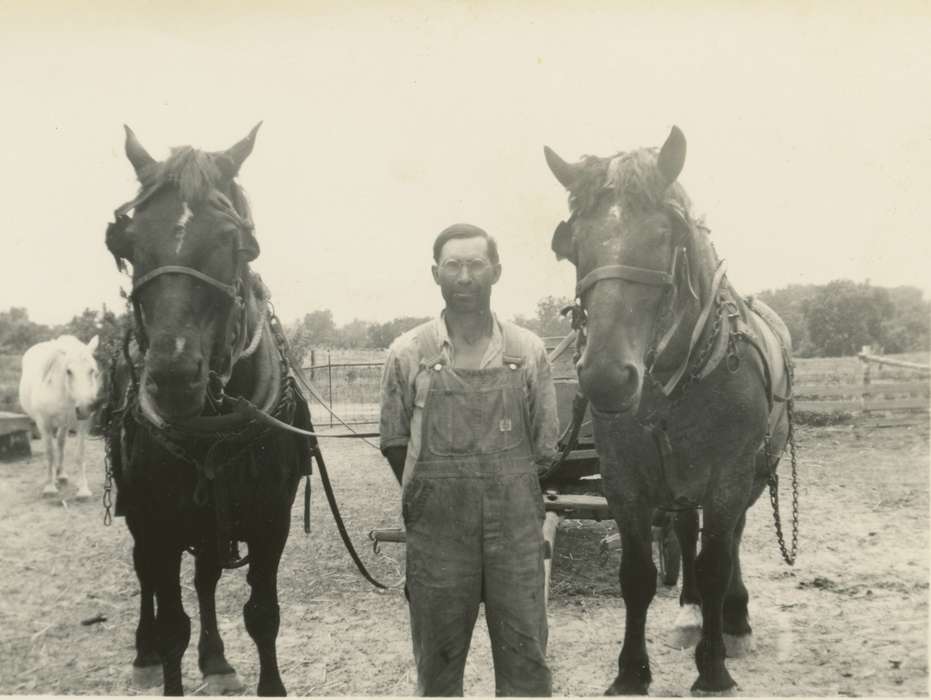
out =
column 69, row 371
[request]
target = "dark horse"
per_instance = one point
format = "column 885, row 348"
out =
column 192, row 474
column 689, row 385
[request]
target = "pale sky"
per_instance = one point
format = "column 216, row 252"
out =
column 808, row 128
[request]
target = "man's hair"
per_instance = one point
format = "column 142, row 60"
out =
column 465, row 231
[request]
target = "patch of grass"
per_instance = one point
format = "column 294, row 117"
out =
column 822, row 418
column 9, row 382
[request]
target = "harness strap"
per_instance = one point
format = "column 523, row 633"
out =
column 228, row 289
column 673, row 381
column 641, row 275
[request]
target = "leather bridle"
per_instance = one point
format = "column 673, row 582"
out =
column 666, row 280
column 221, row 367
column 628, row 273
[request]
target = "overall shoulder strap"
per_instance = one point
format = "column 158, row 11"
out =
column 428, row 347
column 511, row 356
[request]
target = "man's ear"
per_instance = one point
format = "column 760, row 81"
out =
column 436, row 273
column 496, row 268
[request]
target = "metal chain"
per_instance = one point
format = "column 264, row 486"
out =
column 108, row 479
column 789, row 556
column 694, row 373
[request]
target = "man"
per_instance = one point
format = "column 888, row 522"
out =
column 468, row 418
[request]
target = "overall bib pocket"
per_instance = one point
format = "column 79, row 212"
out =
column 475, row 423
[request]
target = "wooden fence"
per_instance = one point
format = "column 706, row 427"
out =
column 868, row 388
column 874, row 390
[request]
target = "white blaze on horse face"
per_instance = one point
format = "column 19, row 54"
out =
column 181, row 226
column 615, row 211
column 179, row 346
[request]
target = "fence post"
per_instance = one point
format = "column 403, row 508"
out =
column 865, row 393
column 329, row 369
column 313, row 361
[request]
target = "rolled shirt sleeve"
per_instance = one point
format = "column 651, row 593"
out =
column 544, row 418
column 396, row 404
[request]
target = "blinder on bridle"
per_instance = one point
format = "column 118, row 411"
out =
column 247, row 249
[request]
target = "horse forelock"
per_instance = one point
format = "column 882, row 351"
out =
column 634, row 180
column 194, row 173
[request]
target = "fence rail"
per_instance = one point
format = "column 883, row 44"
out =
column 871, row 388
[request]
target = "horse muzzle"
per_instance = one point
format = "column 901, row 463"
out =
column 85, row 412
column 176, row 386
column 611, row 386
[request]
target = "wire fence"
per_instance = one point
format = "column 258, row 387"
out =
column 351, row 390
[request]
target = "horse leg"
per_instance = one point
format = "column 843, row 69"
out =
column 83, row 427
column 51, row 487
column 62, row 436
column 218, row 674
column 738, row 636
column 261, row 612
column 173, row 626
column 688, row 621
column 147, row 666
column 713, row 569
column 638, row 586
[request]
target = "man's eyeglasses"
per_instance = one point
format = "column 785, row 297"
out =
column 475, row 266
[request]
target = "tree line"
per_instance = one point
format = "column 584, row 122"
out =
column 828, row 320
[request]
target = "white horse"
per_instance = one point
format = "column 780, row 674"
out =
column 58, row 389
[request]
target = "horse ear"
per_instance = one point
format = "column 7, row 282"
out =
column 563, row 243
column 137, row 155
column 672, row 155
column 566, row 173
column 232, row 158
column 92, row 343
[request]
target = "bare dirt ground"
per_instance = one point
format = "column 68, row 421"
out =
column 851, row 618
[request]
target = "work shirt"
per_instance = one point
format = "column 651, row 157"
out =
column 405, row 385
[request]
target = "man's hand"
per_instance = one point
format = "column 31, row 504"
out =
column 547, row 465
column 396, row 457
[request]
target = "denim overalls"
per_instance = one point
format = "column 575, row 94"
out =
column 473, row 513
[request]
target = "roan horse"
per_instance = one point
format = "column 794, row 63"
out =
column 59, row 389
column 192, row 473
column 690, row 392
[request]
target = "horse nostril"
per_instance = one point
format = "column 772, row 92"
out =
column 630, row 378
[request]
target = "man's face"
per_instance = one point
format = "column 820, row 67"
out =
column 465, row 274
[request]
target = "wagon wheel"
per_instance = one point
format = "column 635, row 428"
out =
column 670, row 555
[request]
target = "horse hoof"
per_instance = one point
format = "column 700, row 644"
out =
column 687, row 627
column 738, row 647
column 627, row 689
column 720, row 685
column 50, row 490
column 63, row 478
column 221, row 683
column 84, row 493
column 729, row 693
column 145, row 677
